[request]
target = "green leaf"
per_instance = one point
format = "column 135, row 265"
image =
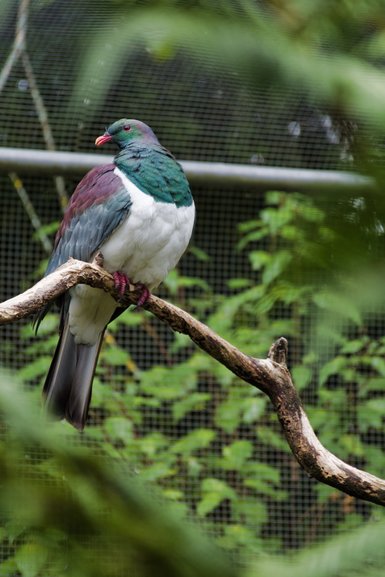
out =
column 194, row 402
column 194, row 466
column 372, row 384
column 354, row 346
column 119, row 429
column 208, row 503
column 116, row 356
column 338, row 304
column 214, row 491
column 199, row 254
column 265, row 488
column 236, row 454
column 260, row 233
column 168, row 383
column 47, row 326
column 228, row 415
column 301, row 376
column 173, row 494
column 372, row 414
column 157, row 471
column 352, row 445
column 8, row 566
column 378, row 363
column 31, row 558
column 241, row 537
column 193, row 441
column 271, row 438
column 274, row 197
column 334, row 367
column 259, row 259
column 292, row 233
column 325, row 493
column 174, row 281
column 36, row 368
column 276, row 265
column 253, row 409
column 130, row 318
column 44, row 346
column 263, row 471
column 252, row 510
column 152, row 444
column 239, row 283
column 311, row 213
column 276, row 219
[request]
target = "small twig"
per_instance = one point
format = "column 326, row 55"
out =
column 44, row 122
column 31, row 212
column 19, row 49
column 153, row 334
column 18, row 45
column 269, row 375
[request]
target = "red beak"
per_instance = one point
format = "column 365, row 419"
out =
column 103, row 139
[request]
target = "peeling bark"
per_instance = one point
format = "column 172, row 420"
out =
column 269, row 375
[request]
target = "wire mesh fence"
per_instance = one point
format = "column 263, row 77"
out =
column 210, row 442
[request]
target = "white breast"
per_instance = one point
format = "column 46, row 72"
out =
column 151, row 240
column 146, row 246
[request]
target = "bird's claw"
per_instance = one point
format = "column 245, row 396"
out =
column 122, row 281
column 144, row 295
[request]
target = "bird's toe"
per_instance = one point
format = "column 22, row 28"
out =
column 121, row 281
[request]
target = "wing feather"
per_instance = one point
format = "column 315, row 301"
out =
column 98, row 206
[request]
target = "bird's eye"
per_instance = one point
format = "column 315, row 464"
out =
column 127, row 127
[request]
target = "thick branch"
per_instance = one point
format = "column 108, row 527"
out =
column 269, row 375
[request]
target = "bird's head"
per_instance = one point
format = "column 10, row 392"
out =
column 123, row 132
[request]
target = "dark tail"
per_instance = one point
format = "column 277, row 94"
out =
column 68, row 386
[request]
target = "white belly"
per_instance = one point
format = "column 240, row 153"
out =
column 146, row 246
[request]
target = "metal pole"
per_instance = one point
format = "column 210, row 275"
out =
column 207, row 174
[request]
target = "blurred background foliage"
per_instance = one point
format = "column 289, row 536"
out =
column 66, row 511
column 295, row 84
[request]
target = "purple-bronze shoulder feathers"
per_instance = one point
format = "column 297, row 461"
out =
column 98, row 184
column 97, row 207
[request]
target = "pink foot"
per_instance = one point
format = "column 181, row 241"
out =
column 144, row 295
column 121, row 281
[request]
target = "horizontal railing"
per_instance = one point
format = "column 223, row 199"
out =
column 207, row 174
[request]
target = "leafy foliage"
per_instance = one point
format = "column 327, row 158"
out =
column 293, row 40
column 65, row 510
column 210, row 442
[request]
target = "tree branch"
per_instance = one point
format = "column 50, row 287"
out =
column 18, row 45
column 270, row 375
column 19, row 50
column 42, row 114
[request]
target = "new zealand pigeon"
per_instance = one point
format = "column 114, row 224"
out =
column 139, row 213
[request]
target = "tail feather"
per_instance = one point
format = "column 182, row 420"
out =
column 81, row 388
column 68, row 386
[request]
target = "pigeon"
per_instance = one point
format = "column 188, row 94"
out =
column 138, row 213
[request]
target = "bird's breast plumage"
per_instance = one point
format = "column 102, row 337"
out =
column 151, row 239
column 146, row 245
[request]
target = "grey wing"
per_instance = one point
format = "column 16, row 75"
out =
column 98, row 206
column 96, row 210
